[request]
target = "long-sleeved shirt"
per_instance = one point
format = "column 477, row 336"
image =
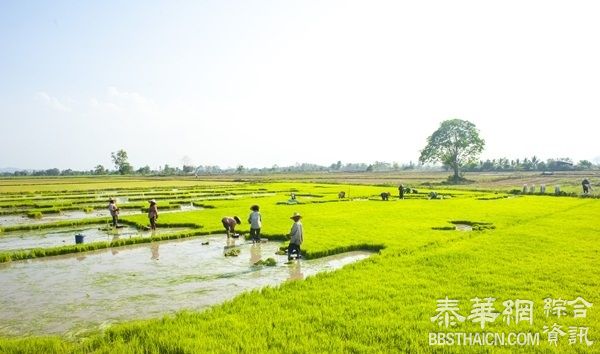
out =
column 296, row 234
column 153, row 211
column 255, row 220
column 113, row 209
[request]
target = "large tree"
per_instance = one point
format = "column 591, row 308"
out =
column 455, row 143
column 119, row 158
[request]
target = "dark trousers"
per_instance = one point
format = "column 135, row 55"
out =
column 255, row 234
column 115, row 220
column 294, row 248
column 153, row 223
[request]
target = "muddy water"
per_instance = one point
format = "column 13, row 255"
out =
column 189, row 207
column 463, row 227
column 8, row 220
column 17, row 240
column 70, row 295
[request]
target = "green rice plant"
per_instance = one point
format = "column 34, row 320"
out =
column 233, row 252
column 444, row 228
column 201, row 205
column 269, row 262
column 12, row 211
column 50, row 345
column 541, row 247
column 34, row 214
column 162, row 207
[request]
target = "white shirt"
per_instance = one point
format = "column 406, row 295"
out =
column 255, row 220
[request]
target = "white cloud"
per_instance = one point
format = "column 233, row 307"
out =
column 126, row 107
column 52, row 102
column 114, row 101
column 129, row 101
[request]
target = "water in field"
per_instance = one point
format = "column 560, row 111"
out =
column 463, row 227
column 28, row 239
column 71, row 295
column 189, row 207
column 8, row 220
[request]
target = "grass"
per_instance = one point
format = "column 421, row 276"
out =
column 540, row 247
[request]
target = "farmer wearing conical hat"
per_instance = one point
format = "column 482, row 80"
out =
column 296, row 237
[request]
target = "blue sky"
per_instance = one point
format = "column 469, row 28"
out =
column 259, row 83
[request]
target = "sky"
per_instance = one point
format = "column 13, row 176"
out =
column 259, row 83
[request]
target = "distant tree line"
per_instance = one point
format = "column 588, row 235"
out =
column 529, row 164
column 123, row 167
column 493, row 165
column 187, row 170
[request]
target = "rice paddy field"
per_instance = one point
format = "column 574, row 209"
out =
column 480, row 268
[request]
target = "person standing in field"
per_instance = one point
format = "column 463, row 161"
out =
column 229, row 223
column 585, row 184
column 114, row 212
column 255, row 221
column 296, row 237
column 152, row 214
column 401, row 192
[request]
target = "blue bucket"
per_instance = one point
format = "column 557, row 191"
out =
column 79, row 238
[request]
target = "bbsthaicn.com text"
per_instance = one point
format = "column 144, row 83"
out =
column 483, row 339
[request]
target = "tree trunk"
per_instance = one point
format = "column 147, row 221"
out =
column 456, row 176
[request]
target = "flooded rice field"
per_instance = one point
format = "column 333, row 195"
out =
column 19, row 219
column 71, row 295
column 28, row 239
column 9, row 220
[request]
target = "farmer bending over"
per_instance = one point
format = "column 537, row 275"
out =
column 229, row 223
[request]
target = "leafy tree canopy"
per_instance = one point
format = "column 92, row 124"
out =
column 455, row 143
column 121, row 162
